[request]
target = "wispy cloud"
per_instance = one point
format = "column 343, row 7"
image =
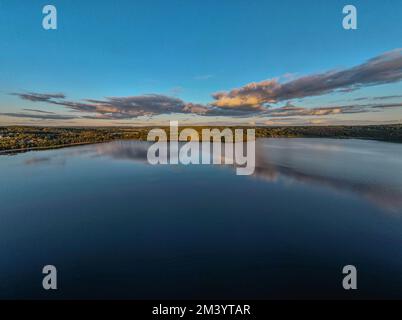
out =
column 383, row 69
column 134, row 106
column 176, row 91
column 254, row 99
column 42, row 97
column 292, row 111
column 120, row 107
column 203, row 77
column 39, row 111
column 378, row 98
column 38, row 116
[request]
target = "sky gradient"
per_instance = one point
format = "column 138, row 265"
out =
column 200, row 62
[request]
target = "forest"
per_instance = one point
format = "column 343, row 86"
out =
column 19, row 138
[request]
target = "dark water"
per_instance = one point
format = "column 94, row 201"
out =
column 116, row 227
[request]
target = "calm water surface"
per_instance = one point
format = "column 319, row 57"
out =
column 117, row 227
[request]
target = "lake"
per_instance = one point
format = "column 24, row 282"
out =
column 117, row 227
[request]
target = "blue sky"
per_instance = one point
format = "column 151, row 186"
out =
column 187, row 50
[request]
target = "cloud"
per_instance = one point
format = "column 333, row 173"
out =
column 378, row 98
column 232, row 112
column 134, row 106
column 383, row 69
column 204, row 77
column 387, row 97
column 116, row 107
column 176, row 91
column 195, row 108
column 39, row 111
column 291, row 111
column 36, row 97
column 123, row 108
column 120, row 107
column 254, row 99
column 251, row 97
column 38, row 116
column 387, row 105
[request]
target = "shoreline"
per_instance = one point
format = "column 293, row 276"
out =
column 61, row 146
column 23, row 150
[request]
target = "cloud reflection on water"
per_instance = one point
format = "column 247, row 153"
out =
column 385, row 195
column 373, row 166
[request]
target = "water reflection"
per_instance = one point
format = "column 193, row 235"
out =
column 369, row 169
column 380, row 195
column 287, row 159
column 124, row 150
column 34, row 161
column 120, row 228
